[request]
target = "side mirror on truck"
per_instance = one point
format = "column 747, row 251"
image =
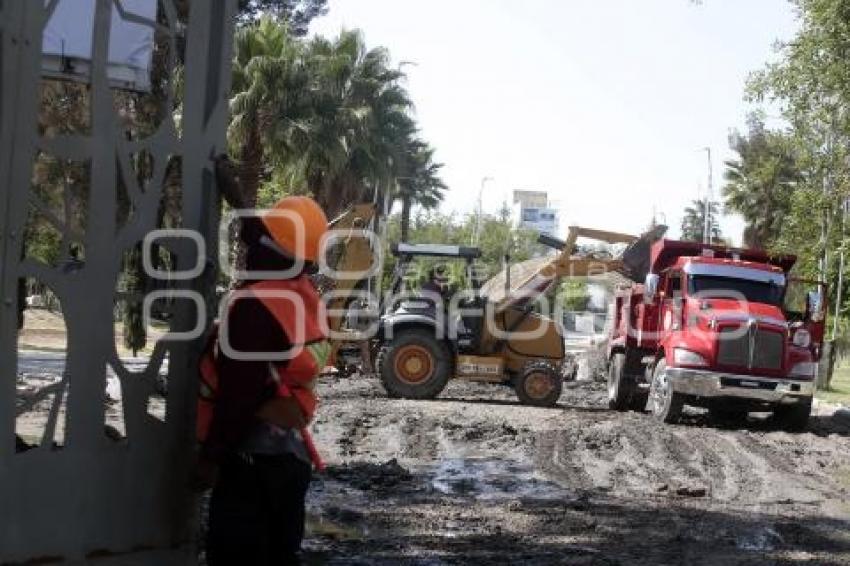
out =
column 815, row 305
column 650, row 288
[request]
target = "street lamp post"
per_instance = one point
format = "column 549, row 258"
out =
column 476, row 236
column 706, row 236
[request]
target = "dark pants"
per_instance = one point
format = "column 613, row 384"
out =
column 257, row 512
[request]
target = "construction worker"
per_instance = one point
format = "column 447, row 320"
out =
column 254, row 408
column 437, row 282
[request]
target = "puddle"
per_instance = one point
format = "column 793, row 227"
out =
column 492, row 479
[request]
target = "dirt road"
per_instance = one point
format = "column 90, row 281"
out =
column 475, row 478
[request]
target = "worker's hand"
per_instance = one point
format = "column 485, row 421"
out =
column 227, row 180
column 283, row 412
column 205, row 474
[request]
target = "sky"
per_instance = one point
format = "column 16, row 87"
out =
column 606, row 104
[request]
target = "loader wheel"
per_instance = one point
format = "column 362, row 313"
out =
column 539, row 385
column 665, row 404
column 621, row 387
column 415, row 365
column 793, row 418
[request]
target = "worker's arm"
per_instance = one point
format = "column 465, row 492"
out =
column 243, row 385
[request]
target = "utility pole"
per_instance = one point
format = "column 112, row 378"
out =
column 476, row 235
column 706, row 234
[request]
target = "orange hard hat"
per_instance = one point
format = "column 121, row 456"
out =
column 297, row 225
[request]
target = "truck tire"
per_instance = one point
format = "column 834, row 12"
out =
column 539, row 384
column 665, row 404
column 415, row 365
column 793, row 418
column 621, row 387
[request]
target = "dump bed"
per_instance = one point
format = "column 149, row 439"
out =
column 664, row 254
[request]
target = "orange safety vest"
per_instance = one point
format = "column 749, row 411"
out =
column 294, row 377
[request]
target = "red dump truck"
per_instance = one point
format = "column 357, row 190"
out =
column 715, row 327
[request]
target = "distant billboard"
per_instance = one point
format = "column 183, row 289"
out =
column 67, row 43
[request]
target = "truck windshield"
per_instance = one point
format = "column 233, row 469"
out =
column 707, row 286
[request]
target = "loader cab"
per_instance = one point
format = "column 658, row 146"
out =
column 452, row 315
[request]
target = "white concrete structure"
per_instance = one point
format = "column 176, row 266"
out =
column 532, row 210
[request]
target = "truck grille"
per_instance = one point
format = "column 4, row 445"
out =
column 734, row 348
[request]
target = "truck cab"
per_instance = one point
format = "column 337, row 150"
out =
column 718, row 328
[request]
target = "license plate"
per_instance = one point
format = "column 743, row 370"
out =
column 753, row 384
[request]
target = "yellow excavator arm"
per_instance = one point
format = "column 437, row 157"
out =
column 350, row 254
column 569, row 264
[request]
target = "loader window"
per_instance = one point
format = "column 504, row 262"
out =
column 708, row 286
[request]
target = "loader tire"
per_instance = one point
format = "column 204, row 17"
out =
column 621, row 387
column 539, row 384
column 414, row 365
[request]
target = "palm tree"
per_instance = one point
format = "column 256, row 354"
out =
column 270, row 94
column 421, row 185
column 760, row 182
column 693, row 222
column 356, row 137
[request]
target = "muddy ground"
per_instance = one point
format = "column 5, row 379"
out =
column 473, row 477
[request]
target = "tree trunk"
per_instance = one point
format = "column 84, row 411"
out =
column 251, row 167
column 406, row 205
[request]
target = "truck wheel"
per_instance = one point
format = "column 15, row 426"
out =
column 539, row 385
column 793, row 418
column 620, row 386
column 415, row 365
column 665, row 404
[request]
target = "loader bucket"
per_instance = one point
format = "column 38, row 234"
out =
column 636, row 257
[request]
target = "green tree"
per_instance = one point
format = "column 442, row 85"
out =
column 573, row 294
column 356, row 140
column 328, row 117
column 498, row 238
column 693, row 222
column 809, row 82
column 760, row 181
column 297, row 14
column 271, row 93
column 421, row 185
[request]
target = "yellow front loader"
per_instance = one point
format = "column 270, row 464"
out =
column 491, row 333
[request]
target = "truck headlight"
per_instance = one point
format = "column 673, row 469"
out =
column 688, row 358
column 803, row 369
column 802, row 338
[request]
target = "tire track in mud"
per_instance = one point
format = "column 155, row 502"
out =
column 732, row 474
column 633, row 454
column 796, row 465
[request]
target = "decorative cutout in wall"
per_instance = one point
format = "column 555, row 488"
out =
column 96, row 407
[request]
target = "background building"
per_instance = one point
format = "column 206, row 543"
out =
column 532, row 210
